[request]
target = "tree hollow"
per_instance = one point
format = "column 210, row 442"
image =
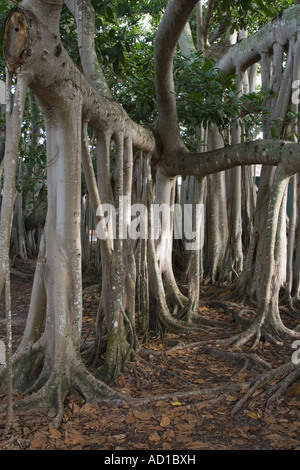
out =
column 15, row 38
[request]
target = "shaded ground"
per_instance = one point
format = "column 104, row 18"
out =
column 171, row 423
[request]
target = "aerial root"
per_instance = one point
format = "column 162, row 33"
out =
column 290, row 370
column 186, row 312
column 50, row 396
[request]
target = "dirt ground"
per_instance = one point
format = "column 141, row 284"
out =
column 171, row 423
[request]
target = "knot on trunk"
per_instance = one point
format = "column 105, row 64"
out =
column 16, row 37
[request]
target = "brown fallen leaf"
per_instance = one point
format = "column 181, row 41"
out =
column 169, row 435
column 199, row 381
column 38, row 442
column 196, row 445
column 166, row 445
column 161, row 404
column 89, row 409
column 238, row 432
column 294, row 390
column 139, row 445
column 141, row 415
column 74, row 437
column 238, row 442
column 119, row 437
column 165, row 421
column 121, row 381
column 230, row 398
column 210, row 427
column 154, row 437
column 185, row 427
column 54, row 432
column 190, row 418
column 130, row 419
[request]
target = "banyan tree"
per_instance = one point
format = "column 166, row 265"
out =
column 246, row 243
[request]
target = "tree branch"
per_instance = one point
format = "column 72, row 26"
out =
column 167, row 37
column 265, row 152
column 208, row 16
column 84, row 15
column 249, row 50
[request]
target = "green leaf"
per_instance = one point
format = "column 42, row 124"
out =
column 265, row 9
column 109, row 12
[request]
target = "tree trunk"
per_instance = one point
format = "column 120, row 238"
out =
column 50, row 348
column 217, row 221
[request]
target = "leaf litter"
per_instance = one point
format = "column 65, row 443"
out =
column 167, row 423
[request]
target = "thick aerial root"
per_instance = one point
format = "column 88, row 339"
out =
column 89, row 386
column 180, row 326
column 187, row 312
column 53, row 392
column 51, row 395
column 290, row 370
column 27, row 367
column 190, row 316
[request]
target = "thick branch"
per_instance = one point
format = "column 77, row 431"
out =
column 266, row 152
column 84, row 15
column 51, row 68
column 249, row 50
column 167, row 37
column 208, row 16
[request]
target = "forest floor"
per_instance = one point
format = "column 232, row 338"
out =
column 174, row 364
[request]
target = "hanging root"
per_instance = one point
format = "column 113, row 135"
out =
column 187, row 312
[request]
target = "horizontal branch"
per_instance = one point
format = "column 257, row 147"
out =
column 265, row 152
column 53, row 75
column 248, row 51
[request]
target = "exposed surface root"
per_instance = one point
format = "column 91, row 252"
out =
column 161, row 370
column 214, row 392
column 246, row 360
column 52, row 392
column 289, row 370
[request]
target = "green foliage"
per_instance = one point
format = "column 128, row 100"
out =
column 124, row 40
column 119, row 27
column 246, row 14
column 68, row 34
column 32, row 151
column 204, row 94
column 137, row 93
column 124, row 44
